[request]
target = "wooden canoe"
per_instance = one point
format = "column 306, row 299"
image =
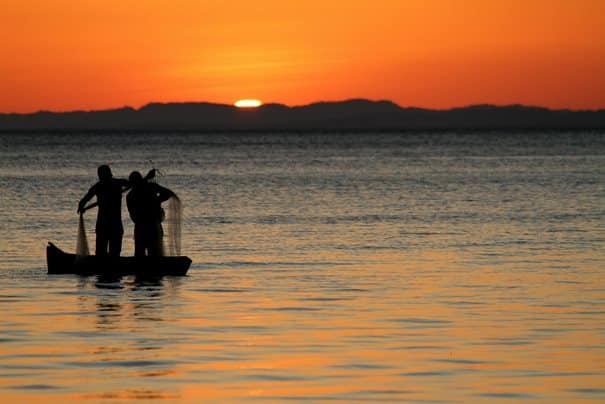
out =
column 60, row 262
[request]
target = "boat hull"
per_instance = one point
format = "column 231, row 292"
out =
column 60, row 262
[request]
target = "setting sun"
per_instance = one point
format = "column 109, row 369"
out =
column 248, row 103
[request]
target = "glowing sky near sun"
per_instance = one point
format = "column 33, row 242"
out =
column 64, row 55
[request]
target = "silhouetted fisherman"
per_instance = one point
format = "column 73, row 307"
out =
column 109, row 229
column 144, row 203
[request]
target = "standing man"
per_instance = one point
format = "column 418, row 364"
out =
column 109, row 229
column 144, row 203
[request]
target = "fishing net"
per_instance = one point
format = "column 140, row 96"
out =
column 82, row 243
column 172, row 225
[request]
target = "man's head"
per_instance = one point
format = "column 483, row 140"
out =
column 135, row 178
column 104, row 172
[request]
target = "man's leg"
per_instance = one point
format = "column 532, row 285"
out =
column 101, row 244
column 156, row 242
column 115, row 244
column 139, row 241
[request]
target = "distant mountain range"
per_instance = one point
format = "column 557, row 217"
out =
column 357, row 115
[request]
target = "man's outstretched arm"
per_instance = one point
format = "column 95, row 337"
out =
column 91, row 192
column 164, row 193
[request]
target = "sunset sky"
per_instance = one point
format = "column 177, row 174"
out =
column 95, row 54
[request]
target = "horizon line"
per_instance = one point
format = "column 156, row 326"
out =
column 599, row 109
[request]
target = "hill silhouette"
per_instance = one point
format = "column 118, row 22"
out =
column 357, row 115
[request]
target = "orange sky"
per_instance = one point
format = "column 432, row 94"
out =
column 93, row 54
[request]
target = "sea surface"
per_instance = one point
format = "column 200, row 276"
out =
column 409, row 267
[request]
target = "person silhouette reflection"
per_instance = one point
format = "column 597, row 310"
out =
column 109, row 229
column 144, row 203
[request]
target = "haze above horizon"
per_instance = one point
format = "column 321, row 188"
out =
column 63, row 56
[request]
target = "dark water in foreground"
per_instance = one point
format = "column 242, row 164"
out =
column 342, row 268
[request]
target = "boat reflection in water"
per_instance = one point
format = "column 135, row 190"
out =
column 134, row 309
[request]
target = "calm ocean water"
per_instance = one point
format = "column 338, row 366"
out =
column 426, row 267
